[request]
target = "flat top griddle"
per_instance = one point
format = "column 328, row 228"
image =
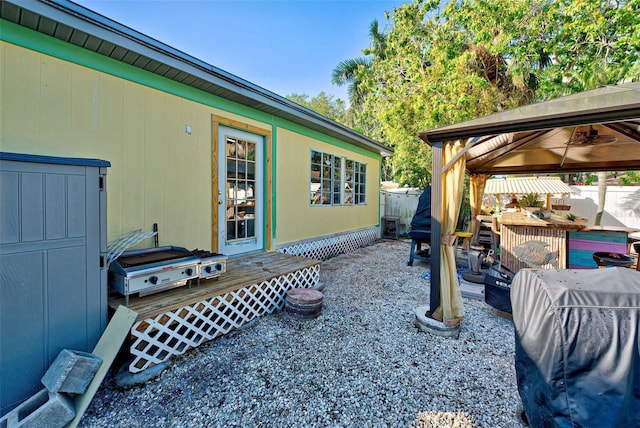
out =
column 133, row 260
column 204, row 254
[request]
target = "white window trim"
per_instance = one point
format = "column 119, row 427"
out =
column 343, row 180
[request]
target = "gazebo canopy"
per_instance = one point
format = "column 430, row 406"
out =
column 524, row 185
column 596, row 130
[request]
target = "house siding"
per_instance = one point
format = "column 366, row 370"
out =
column 303, row 220
column 58, row 99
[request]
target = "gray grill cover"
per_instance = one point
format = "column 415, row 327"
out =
column 577, row 353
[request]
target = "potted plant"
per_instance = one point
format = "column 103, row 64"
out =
column 579, row 220
column 531, row 200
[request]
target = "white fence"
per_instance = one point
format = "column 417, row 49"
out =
column 584, row 203
column 402, row 202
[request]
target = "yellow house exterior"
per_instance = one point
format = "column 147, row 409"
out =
column 163, row 136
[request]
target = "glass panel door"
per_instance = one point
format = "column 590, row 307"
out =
column 242, row 199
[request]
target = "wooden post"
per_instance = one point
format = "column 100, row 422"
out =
column 548, row 202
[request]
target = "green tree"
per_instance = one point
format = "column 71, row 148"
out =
column 443, row 64
column 433, row 74
column 594, row 43
column 324, row 104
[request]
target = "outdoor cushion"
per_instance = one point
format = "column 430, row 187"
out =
column 421, row 235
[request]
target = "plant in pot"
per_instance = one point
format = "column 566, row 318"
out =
column 572, row 217
column 531, row 200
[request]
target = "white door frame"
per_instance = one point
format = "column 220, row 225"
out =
column 241, row 195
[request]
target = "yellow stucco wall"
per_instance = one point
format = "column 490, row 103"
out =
column 159, row 173
column 297, row 219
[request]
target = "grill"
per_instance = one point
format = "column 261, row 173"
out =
column 212, row 265
column 152, row 270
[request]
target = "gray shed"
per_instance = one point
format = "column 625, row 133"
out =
column 53, row 289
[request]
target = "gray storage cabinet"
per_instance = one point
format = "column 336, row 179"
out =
column 53, row 283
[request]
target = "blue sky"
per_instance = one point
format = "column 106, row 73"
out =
column 285, row 46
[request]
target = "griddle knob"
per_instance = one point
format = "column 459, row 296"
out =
column 188, row 271
column 219, row 267
column 153, row 279
column 207, row 269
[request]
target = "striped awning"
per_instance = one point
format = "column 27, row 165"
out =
column 524, row 185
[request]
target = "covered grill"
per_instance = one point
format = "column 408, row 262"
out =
column 576, row 346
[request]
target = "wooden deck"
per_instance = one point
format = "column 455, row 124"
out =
column 241, row 272
column 172, row 322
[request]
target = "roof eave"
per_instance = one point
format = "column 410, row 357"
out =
column 470, row 128
column 242, row 91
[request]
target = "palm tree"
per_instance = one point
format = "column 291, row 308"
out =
column 378, row 41
column 602, row 194
column 346, row 72
column 632, row 203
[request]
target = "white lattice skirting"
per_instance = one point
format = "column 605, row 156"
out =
column 173, row 333
column 322, row 248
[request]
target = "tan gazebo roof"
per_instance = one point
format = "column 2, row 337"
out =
column 596, row 130
column 524, row 185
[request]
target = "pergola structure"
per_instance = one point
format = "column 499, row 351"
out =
column 596, row 130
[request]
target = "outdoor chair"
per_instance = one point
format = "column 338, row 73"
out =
column 417, row 239
column 536, row 254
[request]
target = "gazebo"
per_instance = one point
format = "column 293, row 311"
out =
column 596, row 130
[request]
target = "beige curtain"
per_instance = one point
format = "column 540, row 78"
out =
column 476, row 194
column 451, row 309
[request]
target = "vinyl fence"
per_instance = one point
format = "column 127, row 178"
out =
column 622, row 205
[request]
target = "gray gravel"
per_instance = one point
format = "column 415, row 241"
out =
column 362, row 363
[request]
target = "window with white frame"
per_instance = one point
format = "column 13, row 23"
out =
column 336, row 180
column 360, row 182
column 355, row 178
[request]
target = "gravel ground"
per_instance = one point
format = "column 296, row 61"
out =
column 362, row 363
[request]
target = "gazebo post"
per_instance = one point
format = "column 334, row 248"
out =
column 547, row 206
column 436, row 219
